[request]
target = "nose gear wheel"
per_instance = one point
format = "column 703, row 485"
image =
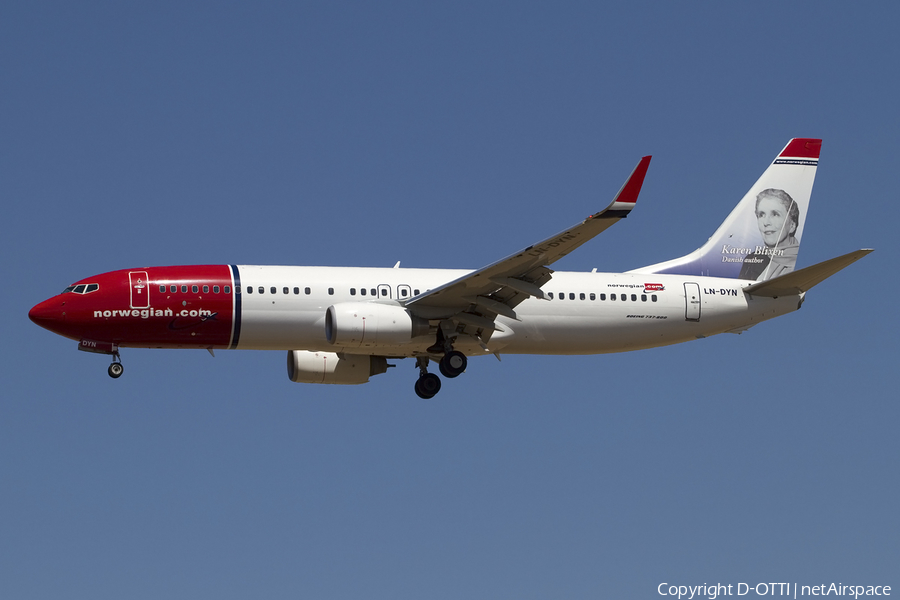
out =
column 116, row 369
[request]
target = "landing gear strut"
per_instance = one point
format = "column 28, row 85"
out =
column 428, row 384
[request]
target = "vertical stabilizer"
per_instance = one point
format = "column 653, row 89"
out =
column 760, row 239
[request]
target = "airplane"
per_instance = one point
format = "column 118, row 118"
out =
column 341, row 325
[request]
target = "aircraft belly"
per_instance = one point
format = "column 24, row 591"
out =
column 596, row 337
column 282, row 329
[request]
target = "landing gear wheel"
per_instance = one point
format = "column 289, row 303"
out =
column 115, row 370
column 428, row 385
column 453, row 364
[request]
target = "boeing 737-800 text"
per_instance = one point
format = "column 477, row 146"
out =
column 342, row 324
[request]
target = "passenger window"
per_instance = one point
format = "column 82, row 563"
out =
column 415, row 292
column 237, row 290
column 173, row 288
column 581, row 295
column 352, row 291
column 249, row 289
column 653, row 297
column 272, row 290
column 550, row 295
column 215, row 289
column 571, row 295
column 296, row 291
column 362, row 291
column 331, row 291
column 194, row 289
column 643, row 297
column 593, row 296
column 184, row 289
column 374, row 293
column 384, row 292
column 205, row 289
column 162, row 289
column 612, row 296
column 634, row 297
column 562, row 295
column 403, row 292
column 286, row 291
column 308, row 291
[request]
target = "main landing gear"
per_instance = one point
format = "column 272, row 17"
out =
column 428, row 384
column 452, row 364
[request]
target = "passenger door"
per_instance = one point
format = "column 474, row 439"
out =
column 692, row 301
column 140, row 289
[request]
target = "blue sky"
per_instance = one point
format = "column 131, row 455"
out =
column 443, row 136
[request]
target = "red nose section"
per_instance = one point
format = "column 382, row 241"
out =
column 49, row 314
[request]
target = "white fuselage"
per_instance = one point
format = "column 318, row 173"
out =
column 589, row 313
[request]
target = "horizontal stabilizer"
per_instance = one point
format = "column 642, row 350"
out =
column 803, row 280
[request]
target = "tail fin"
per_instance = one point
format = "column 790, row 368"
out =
column 760, row 239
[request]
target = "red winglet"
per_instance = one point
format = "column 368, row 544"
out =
column 631, row 189
column 802, row 148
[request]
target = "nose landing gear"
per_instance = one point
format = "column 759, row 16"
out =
column 116, row 369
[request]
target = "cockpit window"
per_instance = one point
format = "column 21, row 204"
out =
column 82, row 288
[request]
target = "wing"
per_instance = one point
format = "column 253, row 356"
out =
column 474, row 300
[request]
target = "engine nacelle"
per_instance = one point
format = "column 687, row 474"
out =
column 366, row 324
column 329, row 367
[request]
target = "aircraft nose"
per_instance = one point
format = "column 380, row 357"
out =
column 48, row 314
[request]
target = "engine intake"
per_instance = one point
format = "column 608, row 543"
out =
column 330, row 367
column 364, row 324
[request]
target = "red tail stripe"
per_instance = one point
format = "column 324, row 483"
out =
column 802, row 148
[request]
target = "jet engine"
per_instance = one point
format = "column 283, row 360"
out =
column 363, row 324
column 329, row 367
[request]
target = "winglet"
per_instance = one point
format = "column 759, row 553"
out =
column 797, row 282
column 628, row 195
